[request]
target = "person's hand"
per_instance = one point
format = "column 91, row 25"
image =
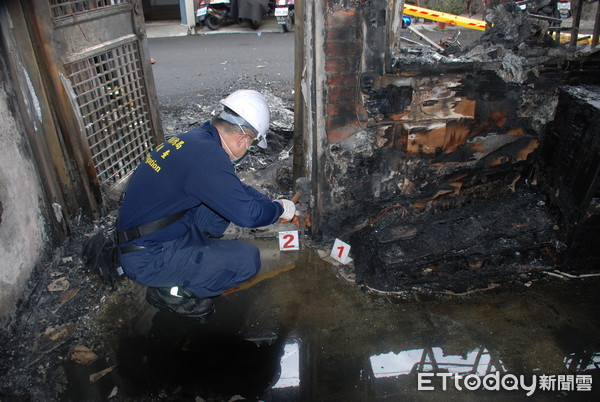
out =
column 289, row 209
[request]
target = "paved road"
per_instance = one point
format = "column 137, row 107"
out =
column 195, row 65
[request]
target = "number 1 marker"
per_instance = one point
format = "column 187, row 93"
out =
column 340, row 252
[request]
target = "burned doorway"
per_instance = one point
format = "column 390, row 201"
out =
column 99, row 75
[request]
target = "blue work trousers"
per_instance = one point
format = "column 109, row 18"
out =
column 205, row 265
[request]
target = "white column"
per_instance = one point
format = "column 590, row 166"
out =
column 188, row 16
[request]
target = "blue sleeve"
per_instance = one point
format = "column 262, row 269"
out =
column 223, row 192
column 255, row 193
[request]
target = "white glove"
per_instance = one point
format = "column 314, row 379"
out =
column 289, row 209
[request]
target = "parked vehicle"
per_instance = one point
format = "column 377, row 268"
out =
column 284, row 12
column 216, row 13
column 213, row 13
column 250, row 10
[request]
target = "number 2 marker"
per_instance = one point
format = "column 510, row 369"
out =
column 289, row 240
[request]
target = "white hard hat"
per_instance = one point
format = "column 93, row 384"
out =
column 251, row 106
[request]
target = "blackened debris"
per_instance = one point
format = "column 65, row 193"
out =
column 572, row 156
column 514, row 29
column 458, row 249
column 391, row 99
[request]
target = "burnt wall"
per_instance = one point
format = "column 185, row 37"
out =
column 572, row 169
column 451, row 190
column 343, row 48
column 434, row 142
column 23, row 223
column 440, row 139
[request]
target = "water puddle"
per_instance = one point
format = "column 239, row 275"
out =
column 299, row 332
column 273, row 262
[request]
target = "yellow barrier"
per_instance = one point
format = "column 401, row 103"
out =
column 444, row 17
column 566, row 38
column 468, row 22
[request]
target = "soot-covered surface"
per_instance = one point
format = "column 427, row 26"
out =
column 459, row 249
column 472, row 228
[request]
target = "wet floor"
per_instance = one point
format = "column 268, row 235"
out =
column 301, row 332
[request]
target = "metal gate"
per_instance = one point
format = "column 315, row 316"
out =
column 101, row 74
column 110, row 95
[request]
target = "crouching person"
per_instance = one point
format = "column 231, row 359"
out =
column 181, row 199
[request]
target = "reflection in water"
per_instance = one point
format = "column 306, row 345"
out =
column 479, row 361
column 290, row 367
column 581, row 362
column 195, row 361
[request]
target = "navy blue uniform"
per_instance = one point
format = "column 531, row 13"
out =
column 192, row 172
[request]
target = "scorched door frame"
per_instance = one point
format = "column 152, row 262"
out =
column 97, row 68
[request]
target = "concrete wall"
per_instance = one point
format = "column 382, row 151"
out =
column 22, row 224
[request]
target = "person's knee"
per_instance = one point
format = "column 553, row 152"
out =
column 251, row 261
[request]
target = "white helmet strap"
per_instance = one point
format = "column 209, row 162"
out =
column 235, row 119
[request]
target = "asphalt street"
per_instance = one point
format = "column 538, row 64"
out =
column 190, row 66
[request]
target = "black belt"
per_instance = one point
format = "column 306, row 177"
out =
column 139, row 231
column 130, row 248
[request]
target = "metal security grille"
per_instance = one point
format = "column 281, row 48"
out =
column 112, row 100
column 63, row 8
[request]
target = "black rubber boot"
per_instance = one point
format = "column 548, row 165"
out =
column 185, row 303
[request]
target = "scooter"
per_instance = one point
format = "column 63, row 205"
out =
column 213, row 13
column 284, row 12
column 216, row 13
